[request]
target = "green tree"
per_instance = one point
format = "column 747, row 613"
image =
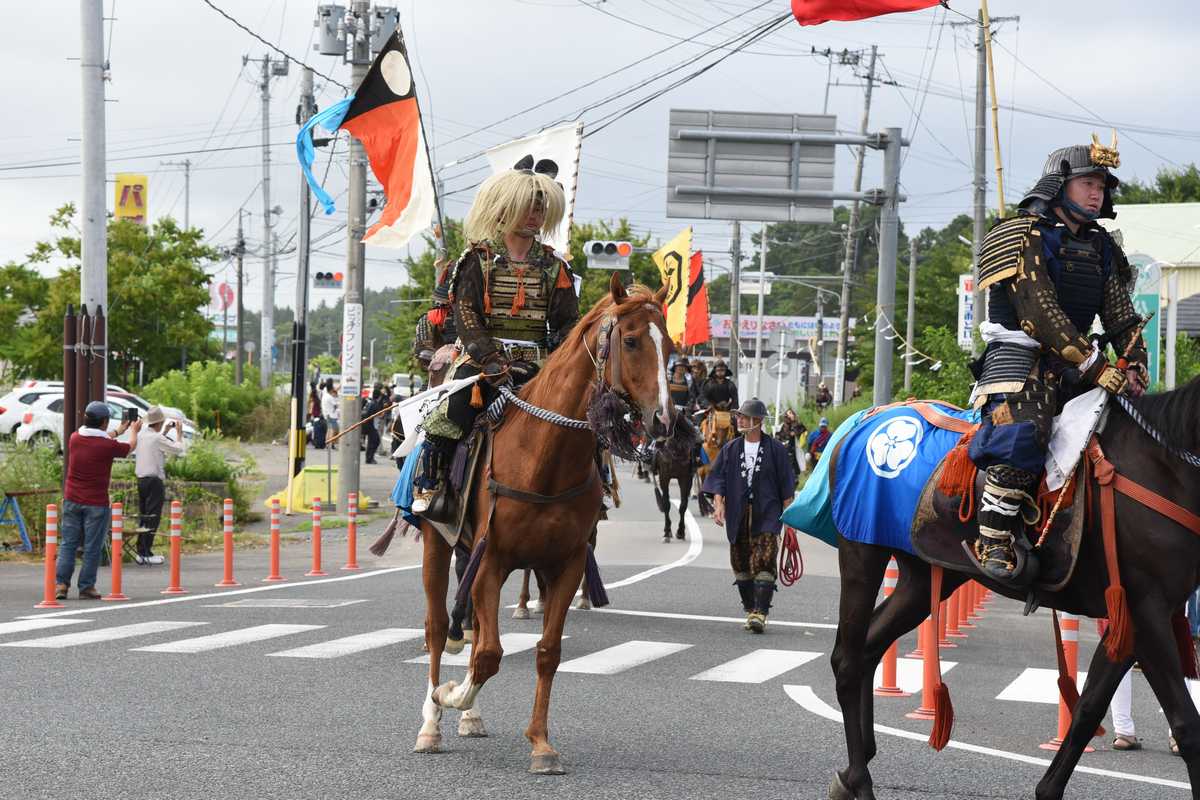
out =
column 157, row 288
column 1169, row 186
column 23, row 293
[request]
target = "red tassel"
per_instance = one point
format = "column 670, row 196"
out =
column 519, row 299
column 437, row 316
column 1183, row 641
column 943, row 717
column 1119, row 641
column 958, row 472
column 476, row 396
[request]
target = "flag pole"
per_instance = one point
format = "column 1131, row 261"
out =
column 440, row 234
column 991, row 70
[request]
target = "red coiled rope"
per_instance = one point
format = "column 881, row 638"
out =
column 791, row 560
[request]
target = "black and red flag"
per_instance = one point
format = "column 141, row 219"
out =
column 814, row 12
column 696, row 330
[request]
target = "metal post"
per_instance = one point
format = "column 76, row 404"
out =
column 885, row 298
column 735, row 300
column 758, row 333
column 299, row 408
column 93, row 275
column 820, row 354
column 267, row 327
column 839, row 369
column 910, row 327
column 349, row 458
column 69, row 353
column 977, row 309
column 241, row 250
column 1172, row 327
column 779, row 379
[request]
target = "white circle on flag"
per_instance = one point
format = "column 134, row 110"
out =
column 893, row 445
column 396, row 74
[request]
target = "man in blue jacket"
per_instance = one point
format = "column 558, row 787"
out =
column 751, row 483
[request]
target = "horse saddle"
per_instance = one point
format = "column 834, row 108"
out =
column 944, row 530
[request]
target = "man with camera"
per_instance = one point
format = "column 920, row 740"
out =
column 152, row 451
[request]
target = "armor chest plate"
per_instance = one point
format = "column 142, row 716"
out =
column 1077, row 267
column 679, row 392
column 514, row 316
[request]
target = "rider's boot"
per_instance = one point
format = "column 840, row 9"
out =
column 1004, row 508
column 436, row 471
column 763, row 592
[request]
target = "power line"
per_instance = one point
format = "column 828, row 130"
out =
column 146, row 155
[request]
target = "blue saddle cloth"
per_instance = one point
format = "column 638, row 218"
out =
column 402, row 492
column 882, row 468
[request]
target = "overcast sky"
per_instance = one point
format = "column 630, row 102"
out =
column 178, row 84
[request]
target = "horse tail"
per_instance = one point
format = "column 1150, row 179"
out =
column 595, row 584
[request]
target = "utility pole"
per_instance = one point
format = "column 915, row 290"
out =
column 910, row 324
column 187, row 188
column 735, row 300
column 349, row 458
column 839, row 368
column 978, row 313
column 820, row 354
column 762, row 286
column 267, row 326
column 240, row 249
column 885, row 297
column 93, row 274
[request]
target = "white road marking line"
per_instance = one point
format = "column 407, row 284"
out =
column 22, row 625
column 201, row 644
column 758, row 666
column 285, row 602
column 621, row 657
column 1035, row 685
column 348, row 645
column 706, row 618
column 909, row 673
column 695, row 545
column 103, row 634
column 511, row 643
column 231, row 593
column 807, row 699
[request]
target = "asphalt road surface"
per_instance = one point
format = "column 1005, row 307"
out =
column 312, row 688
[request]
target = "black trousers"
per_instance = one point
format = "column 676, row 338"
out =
column 372, row 440
column 151, row 494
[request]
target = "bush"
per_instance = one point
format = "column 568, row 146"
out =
column 267, row 423
column 27, row 469
column 205, row 463
column 209, row 395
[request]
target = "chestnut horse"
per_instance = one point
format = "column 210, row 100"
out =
column 1153, row 441
column 537, row 502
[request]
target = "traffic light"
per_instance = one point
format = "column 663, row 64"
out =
column 327, row 280
column 607, row 255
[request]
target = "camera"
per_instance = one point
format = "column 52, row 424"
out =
column 130, row 415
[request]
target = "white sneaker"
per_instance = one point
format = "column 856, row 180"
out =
column 155, row 560
column 421, row 502
column 138, row 559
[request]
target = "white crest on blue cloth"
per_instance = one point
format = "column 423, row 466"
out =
column 893, row 446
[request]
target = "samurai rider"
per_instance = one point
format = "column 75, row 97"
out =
column 679, row 387
column 513, row 301
column 435, row 328
column 751, row 483
column 1049, row 272
column 719, row 392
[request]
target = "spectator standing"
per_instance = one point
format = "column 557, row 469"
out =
column 817, row 440
column 318, row 419
column 791, row 429
column 330, row 408
column 86, row 511
column 153, row 447
column 374, row 405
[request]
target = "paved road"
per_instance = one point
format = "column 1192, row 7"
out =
column 313, row 689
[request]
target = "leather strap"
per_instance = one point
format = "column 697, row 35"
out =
column 1103, row 469
column 499, row 489
column 931, row 414
column 1110, row 479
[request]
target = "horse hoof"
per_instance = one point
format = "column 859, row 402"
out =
column 838, row 790
column 548, row 764
column 584, row 604
column 679, row 535
column 428, row 743
column 537, row 607
column 469, row 635
column 521, row 613
column 441, row 692
column 667, row 538
column 472, row 728
column 455, row 646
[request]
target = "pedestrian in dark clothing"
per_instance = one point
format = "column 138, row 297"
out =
column 86, row 511
column 318, row 419
column 790, row 430
column 374, row 406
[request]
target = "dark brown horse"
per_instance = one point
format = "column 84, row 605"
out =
column 1159, row 566
column 675, row 461
column 539, row 498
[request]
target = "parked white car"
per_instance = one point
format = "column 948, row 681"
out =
column 42, row 423
column 14, row 405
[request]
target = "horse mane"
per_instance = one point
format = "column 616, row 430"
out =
column 1174, row 413
column 562, row 361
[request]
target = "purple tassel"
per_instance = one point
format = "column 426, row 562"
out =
column 591, row 573
column 458, row 466
column 468, row 577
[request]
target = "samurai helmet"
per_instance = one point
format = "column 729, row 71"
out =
column 1066, row 163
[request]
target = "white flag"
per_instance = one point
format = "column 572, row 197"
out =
column 560, row 145
column 415, row 409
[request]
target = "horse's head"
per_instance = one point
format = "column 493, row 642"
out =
column 633, row 335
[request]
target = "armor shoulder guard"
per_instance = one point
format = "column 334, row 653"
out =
column 1000, row 256
column 461, row 262
column 1120, row 262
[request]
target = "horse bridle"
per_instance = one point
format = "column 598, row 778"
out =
column 606, row 343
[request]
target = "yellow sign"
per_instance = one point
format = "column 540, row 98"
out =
column 132, row 198
column 672, row 260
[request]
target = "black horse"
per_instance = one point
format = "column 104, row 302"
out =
column 1159, row 566
column 675, row 461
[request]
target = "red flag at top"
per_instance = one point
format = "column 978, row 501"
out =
column 814, row 12
column 696, row 329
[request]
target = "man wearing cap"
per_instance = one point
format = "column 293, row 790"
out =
column 153, row 447
column 818, row 439
column 751, row 483
column 1049, row 272
column 86, row 512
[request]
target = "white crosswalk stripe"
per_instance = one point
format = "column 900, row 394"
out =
column 909, row 673
column 348, row 645
column 511, row 643
column 758, row 666
column 23, row 625
column 1035, row 685
column 216, row 641
column 612, row 660
column 103, row 634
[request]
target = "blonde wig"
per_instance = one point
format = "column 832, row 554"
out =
column 505, row 200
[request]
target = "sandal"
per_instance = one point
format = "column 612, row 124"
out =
column 1174, row 745
column 1122, row 742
